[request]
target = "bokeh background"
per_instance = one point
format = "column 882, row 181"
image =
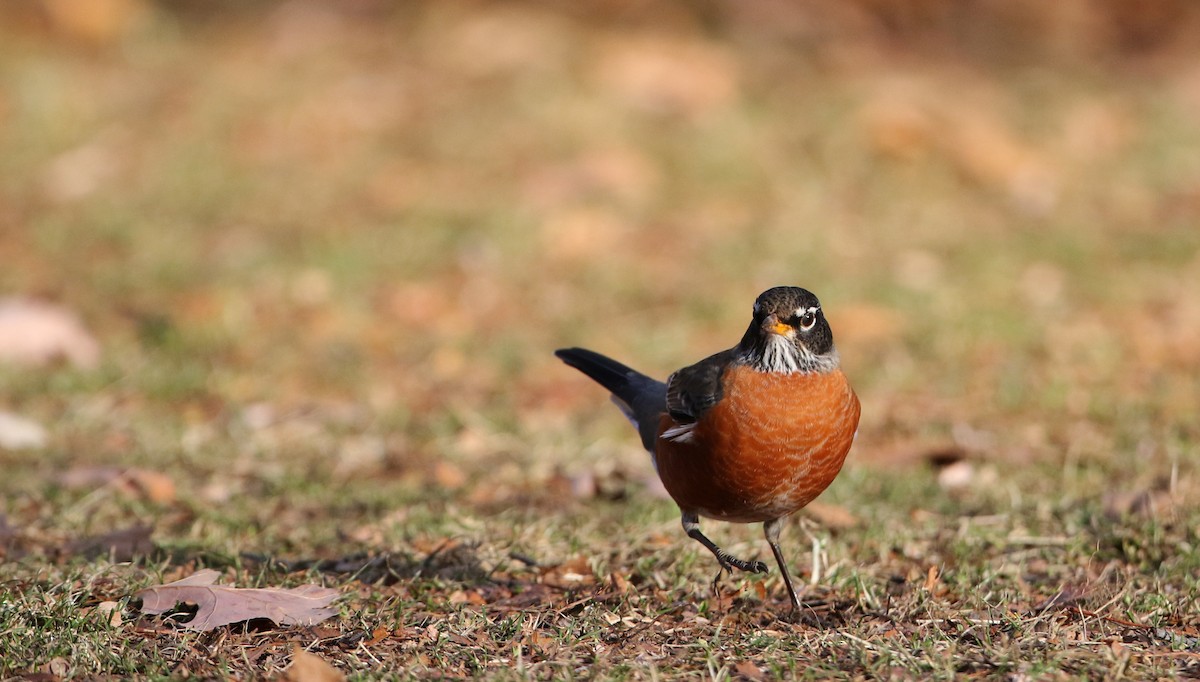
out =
column 405, row 207
column 315, row 257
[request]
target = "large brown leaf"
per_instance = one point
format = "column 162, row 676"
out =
column 220, row 605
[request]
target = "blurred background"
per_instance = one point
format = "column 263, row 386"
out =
column 255, row 246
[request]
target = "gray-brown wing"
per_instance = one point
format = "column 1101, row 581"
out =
column 695, row 389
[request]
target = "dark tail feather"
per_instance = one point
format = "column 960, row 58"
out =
column 645, row 398
column 603, row 370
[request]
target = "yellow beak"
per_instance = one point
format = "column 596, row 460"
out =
column 772, row 325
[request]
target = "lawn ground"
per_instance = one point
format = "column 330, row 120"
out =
column 327, row 255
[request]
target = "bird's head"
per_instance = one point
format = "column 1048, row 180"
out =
column 789, row 333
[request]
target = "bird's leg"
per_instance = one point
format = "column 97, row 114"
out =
column 771, row 529
column 691, row 526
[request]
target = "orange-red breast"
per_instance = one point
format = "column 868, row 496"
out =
column 750, row 434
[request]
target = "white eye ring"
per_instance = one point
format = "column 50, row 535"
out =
column 808, row 319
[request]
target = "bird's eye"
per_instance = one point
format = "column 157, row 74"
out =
column 808, row 320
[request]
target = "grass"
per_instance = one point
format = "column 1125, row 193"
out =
column 328, row 257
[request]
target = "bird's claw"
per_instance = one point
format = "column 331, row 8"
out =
column 728, row 563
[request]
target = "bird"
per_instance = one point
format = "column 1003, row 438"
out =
column 751, row 434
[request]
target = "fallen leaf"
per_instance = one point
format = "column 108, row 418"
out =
column 1068, row 597
column 83, row 171
column 898, row 125
column 988, row 150
column 153, row 485
column 378, row 635
column 57, row 667
column 832, row 516
column 143, row 483
column 97, row 22
column 20, row 433
column 570, row 573
column 119, row 545
column 466, row 597
column 932, row 578
column 309, row 667
column 543, row 642
column 36, row 333
column 448, row 476
column 760, row 588
column 748, row 670
column 910, row 117
column 220, row 605
column 957, row 475
column 682, row 77
column 113, row 610
column 580, row 485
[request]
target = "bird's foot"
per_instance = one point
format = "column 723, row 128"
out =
column 729, row 562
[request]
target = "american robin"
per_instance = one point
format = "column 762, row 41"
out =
column 750, row 434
